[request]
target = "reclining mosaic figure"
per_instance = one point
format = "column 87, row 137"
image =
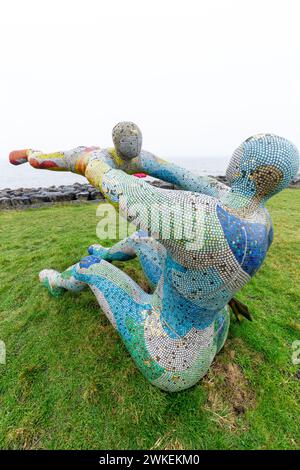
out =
column 224, row 234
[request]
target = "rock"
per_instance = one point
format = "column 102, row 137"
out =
column 295, row 183
column 94, row 194
column 68, row 196
column 52, row 189
column 59, row 196
column 83, row 195
column 220, row 178
column 20, row 201
column 161, row 184
column 18, row 192
column 39, row 198
column 5, row 203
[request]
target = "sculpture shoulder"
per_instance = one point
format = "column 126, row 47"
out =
column 248, row 238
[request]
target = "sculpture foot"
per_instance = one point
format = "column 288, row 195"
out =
column 97, row 250
column 48, row 278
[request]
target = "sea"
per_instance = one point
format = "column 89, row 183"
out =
column 24, row 176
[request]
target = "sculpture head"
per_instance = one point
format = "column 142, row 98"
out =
column 127, row 139
column 262, row 166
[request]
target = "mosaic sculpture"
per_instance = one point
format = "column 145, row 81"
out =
column 205, row 244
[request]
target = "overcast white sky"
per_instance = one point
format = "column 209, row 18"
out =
column 198, row 77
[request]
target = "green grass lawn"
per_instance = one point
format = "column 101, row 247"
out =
column 69, row 382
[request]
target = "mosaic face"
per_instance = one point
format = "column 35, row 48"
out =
column 197, row 246
column 263, row 165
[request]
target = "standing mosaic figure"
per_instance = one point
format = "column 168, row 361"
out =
column 206, row 243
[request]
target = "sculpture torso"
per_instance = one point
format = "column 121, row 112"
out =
column 202, row 276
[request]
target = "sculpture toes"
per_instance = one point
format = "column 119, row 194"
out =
column 47, row 278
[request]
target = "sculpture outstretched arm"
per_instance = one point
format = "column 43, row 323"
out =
column 74, row 160
column 184, row 178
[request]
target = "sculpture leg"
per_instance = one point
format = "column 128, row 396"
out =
column 151, row 254
column 148, row 250
column 171, row 363
column 57, row 283
column 119, row 296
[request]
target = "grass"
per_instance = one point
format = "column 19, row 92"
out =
column 69, row 383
